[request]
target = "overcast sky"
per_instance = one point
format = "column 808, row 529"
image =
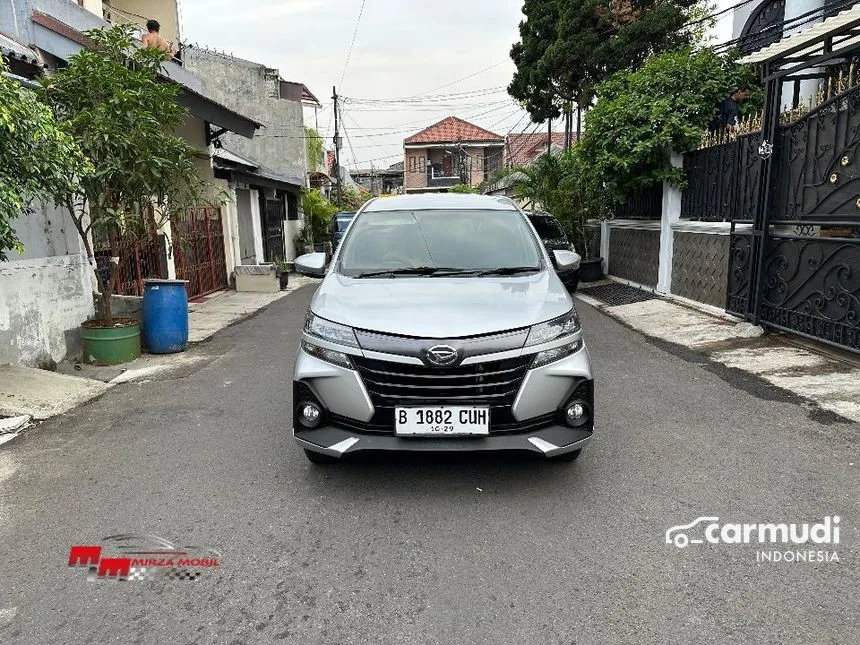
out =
column 402, row 49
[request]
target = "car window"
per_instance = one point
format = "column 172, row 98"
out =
column 547, row 227
column 468, row 239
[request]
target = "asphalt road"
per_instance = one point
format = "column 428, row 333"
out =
column 428, row 549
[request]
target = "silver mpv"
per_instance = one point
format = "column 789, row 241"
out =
column 441, row 325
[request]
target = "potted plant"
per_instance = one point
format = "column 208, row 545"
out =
column 140, row 172
column 304, row 241
column 560, row 184
column 585, row 203
column 318, row 213
column 282, row 268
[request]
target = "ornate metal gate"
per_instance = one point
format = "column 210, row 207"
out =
column 795, row 239
column 198, row 241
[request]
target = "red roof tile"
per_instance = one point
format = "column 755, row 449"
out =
column 522, row 147
column 451, row 129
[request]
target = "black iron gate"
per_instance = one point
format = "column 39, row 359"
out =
column 274, row 213
column 795, row 235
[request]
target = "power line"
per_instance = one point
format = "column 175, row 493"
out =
column 431, row 98
column 505, row 118
column 352, row 44
column 348, row 142
column 459, row 80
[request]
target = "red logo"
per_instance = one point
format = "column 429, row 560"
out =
column 142, row 557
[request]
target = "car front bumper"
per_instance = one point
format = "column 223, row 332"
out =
column 536, row 422
column 338, row 442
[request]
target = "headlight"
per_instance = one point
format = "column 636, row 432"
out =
column 327, row 355
column 548, row 356
column 330, row 331
column 557, row 328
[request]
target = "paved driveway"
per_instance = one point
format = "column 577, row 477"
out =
column 428, row 549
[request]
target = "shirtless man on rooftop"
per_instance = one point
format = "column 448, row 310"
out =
column 153, row 38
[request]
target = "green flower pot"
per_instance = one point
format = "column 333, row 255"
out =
column 111, row 345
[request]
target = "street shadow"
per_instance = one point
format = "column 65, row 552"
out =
column 509, row 473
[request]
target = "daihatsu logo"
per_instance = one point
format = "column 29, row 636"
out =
column 442, row 355
column 709, row 530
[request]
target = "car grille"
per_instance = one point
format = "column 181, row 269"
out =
column 491, row 383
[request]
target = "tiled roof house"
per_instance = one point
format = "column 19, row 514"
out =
column 452, row 151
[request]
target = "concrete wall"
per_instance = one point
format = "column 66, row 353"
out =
column 700, row 265
column 193, row 131
column 47, row 232
column 164, row 11
column 634, row 253
column 247, row 247
column 46, row 293
column 251, row 89
column 477, row 154
column 94, row 6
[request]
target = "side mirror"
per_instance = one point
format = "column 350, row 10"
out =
column 566, row 261
column 312, row 264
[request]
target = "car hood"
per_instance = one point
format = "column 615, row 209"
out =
column 429, row 307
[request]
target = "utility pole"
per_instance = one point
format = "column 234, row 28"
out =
column 337, row 150
column 548, row 134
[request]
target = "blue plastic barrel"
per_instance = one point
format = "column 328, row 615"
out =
column 165, row 316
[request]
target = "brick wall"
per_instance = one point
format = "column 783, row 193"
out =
column 413, row 177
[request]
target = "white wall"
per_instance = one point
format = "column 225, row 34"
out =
column 257, row 227
column 46, row 293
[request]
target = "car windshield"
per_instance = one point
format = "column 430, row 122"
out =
column 449, row 240
column 547, row 227
column 342, row 221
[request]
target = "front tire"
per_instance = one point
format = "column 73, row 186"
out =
column 320, row 458
column 567, row 456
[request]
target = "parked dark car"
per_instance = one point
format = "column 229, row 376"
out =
column 339, row 223
column 554, row 238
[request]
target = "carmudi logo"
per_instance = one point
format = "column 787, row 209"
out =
column 816, row 536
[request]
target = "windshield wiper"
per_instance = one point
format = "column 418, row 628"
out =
column 403, row 271
column 508, row 271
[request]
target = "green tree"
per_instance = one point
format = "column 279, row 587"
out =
column 564, row 186
column 315, row 150
column 123, row 118
column 353, row 198
column 664, row 105
column 38, row 159
column 463, row 189
column 566, row 47
column 318, row 213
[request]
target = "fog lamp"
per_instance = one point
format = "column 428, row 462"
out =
column 576, row 414
column 309, row 415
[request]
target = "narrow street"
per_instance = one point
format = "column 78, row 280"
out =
column 427, row 549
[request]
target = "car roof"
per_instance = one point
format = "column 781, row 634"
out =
column 441, row 201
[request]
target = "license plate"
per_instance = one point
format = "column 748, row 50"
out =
column 442, row 421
